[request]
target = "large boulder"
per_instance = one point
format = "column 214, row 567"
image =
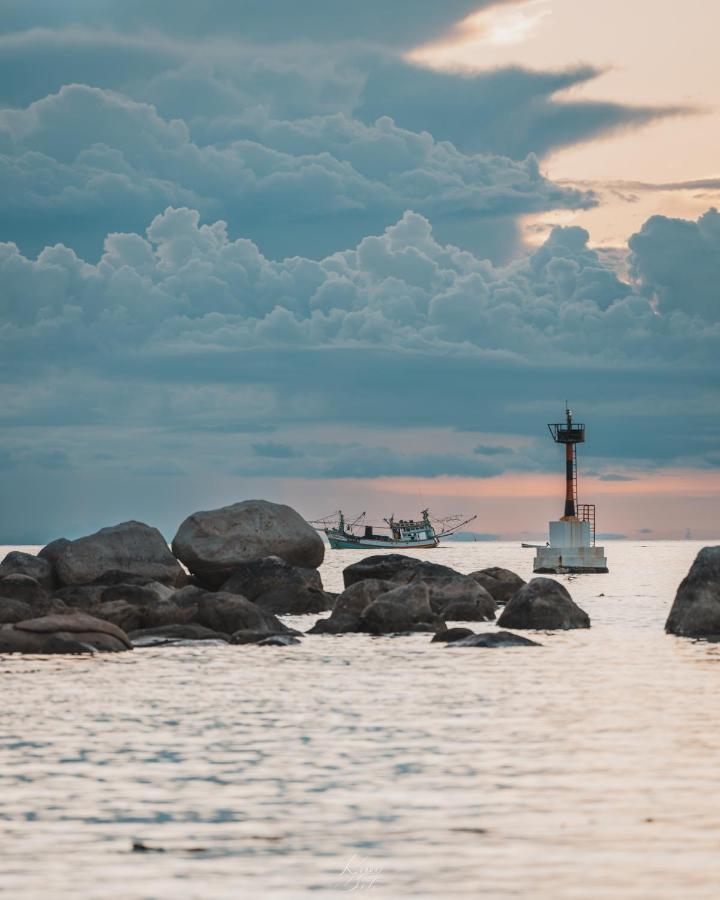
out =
column 121, row 552
column 25, row 588
column 279, row 588
column 229, row 613
column 696, row 610
column 215, row 543
column 394, row 567
column 346, row 616
column 18, row 563
column 543, row 604
column 460, row 598
column 501, row 584
column 63, row 633
column 405, row 608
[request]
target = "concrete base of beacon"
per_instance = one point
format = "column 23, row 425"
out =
column 570, row 551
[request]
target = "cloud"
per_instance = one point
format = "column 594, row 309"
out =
column 87, row 160
column 402, row 23
column 611, row 476
column 677, row 263
column 485, row 450
column 274, row 450
column 512, row 111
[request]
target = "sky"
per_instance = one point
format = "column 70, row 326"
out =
column 358, row 255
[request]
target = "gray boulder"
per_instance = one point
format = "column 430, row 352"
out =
column 279, row 588
column 501, row 584
column 14, row 611
column 394, row 567
column 215, row 543
column 175, row 634
column 18, row 563
column 230, row 613
column 405, row 608
column 494, row 639
column 24, row 588
column 63, row 633
column 188, row 597
column 347, row 611
column 50, row 552
column 119, row 553
column 696, row 610
column 543, row 604
column 460, row 598
column 125, row 615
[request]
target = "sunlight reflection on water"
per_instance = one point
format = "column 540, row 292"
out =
column 586, row 768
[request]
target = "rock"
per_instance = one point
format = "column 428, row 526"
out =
column 18, row 563
column 81, row 596
column 451, row 634
column 278, row 587
column 347, row 611
column 50, row 552
column 543, row 604
column 121, row 552
column 138, row 594
column 173, row 634
column 230, row 613
column 14, row 611
column 696, row 610
column 279, row 640
column 214, row 544
column 69, row 633
column 24, row 588
column 494, row 639
column 461, row 594
column 394, row 567
column 405, row 608
column 125, row 615
column 188, row 597
column 501, row 584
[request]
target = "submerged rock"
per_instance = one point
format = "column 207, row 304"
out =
column 696, row 609
column 494, row 639
column 501, row 584
column 173, row 634
column 128, row 550
column 19, row 563
column 72, row 632
column 279, row 588
column 543, row 604
column 213, row 544
column 448, row 635
column 279, row 640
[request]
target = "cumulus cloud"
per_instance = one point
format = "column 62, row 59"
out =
column 677, row 263
column 87, row 156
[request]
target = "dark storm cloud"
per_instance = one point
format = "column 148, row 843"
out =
column 401, row 23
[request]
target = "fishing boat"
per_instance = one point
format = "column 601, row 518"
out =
column 404, row 534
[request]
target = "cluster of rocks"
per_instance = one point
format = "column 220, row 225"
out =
column 391, row 593
column 242, row 566
column 228, row 576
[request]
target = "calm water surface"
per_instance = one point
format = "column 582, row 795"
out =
column 588, row 768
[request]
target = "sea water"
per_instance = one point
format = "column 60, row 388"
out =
column 585, row 768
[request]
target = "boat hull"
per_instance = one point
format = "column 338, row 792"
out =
column 341, row 543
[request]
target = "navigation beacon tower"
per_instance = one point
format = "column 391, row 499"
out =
column 572, row 539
